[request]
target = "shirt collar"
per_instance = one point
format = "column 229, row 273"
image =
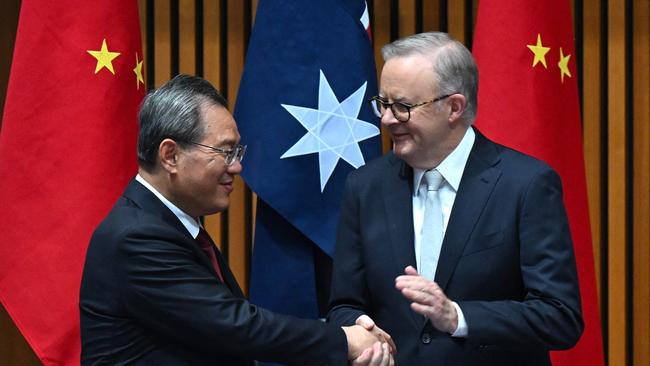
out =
column 190, row 223
column 452, row 167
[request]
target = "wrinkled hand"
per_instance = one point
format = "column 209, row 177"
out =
column 359, row 339
column 366, row 322
column 378, row 355
column 428, row 300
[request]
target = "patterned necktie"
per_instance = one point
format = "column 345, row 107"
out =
column 208, row 247
column 432, row 225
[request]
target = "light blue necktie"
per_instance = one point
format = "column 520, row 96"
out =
column 432, row 225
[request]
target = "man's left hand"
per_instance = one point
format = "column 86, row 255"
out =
column 428, row 300
column 378, row 355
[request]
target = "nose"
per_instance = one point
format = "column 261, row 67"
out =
column 388, row 118
column 235, row 168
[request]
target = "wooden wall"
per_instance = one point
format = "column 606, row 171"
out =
column 209, row 38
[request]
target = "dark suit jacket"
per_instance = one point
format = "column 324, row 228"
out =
column 506, row 259
column 150, row 296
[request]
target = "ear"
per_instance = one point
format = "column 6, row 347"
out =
column 458, row 104
column 167, row 153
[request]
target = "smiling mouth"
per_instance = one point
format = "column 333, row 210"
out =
column 399, row 136
column 227, row 185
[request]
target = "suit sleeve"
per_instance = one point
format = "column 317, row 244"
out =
column 168, row 291
column 549, row 317
column 349, row 291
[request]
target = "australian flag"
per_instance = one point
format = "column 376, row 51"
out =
column 302, row 110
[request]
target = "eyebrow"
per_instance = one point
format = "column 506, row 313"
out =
column 232, row 141
column 400, row 99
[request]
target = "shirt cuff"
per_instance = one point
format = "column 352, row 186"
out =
column 461, row 328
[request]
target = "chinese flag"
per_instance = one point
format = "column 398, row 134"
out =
column 528, row 100
column 67, row 149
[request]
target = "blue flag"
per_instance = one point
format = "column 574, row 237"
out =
column 302, row 110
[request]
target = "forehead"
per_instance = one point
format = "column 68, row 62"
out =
column 220, row 126
column 404, row 75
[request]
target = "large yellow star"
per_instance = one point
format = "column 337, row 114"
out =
column 138, row 72
column 563, row 64
column 540, row 51
column 104, row 58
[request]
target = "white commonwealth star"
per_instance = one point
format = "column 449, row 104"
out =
column 333, row 130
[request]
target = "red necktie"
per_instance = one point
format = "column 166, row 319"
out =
column 208, row 247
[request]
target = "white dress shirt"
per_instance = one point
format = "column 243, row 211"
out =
column 451, row 169
column 190, row 223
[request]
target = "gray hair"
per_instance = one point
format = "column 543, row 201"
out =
column 454, row 67
column 174, row 111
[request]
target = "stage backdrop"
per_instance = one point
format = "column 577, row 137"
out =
column 210, row 38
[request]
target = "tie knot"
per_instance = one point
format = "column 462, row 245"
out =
column 204, row 239
column 433, row 179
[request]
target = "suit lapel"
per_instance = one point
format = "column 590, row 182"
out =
column 146, row 200
column 396, row 191
column 398, row 205
column 475, row 188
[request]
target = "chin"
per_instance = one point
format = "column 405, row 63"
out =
column 221, row 208
column 217, row 208
column 224, row 204
column 402, row 152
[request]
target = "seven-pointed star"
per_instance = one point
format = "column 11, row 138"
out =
column 333, row 130
column 539, row 51
column 563, row 64
column 104, row 58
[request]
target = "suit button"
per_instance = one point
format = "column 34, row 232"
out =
column 426, row 338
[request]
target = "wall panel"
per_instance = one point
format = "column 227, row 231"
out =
column 456, row 13
column 162, row 41
column 592, row 121
column 617, row 188
column 187, row 36
column 238, row 227
column 430, row 15
column 641, row 182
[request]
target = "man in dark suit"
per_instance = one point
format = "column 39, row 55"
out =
column 155, row 290
column 484, row 225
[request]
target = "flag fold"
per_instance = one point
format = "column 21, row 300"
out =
column 528, row 100
column 302, row 110
column 67, row 150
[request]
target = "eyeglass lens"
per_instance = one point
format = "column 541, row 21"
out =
column 399, row 110
column 236, row 153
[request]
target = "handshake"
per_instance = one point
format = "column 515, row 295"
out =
column 369, row 345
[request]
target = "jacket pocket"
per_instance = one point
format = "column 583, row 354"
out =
column 483, row 243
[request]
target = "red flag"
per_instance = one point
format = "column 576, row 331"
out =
column 528, row 100
column 67, row 150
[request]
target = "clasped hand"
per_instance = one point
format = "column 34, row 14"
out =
column 369, row 345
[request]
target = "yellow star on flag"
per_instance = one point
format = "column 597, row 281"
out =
column 563, row 64
column 138, row 72
column 104, row 58
column 540, row 51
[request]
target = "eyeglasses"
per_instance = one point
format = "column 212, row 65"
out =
column 236, row 153
column 401, row 111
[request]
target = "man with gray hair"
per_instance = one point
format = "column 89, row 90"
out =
column 155, row 289
column 455, row 245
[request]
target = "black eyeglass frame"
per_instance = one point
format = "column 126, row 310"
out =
column 407, row 106
column 236, row 153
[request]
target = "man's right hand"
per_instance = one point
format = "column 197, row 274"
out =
column 366, row 322
column 359, row 339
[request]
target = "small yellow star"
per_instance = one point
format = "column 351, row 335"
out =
column 563, row 64
column 104, row 58
column 138, row 72
column 540, row 51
